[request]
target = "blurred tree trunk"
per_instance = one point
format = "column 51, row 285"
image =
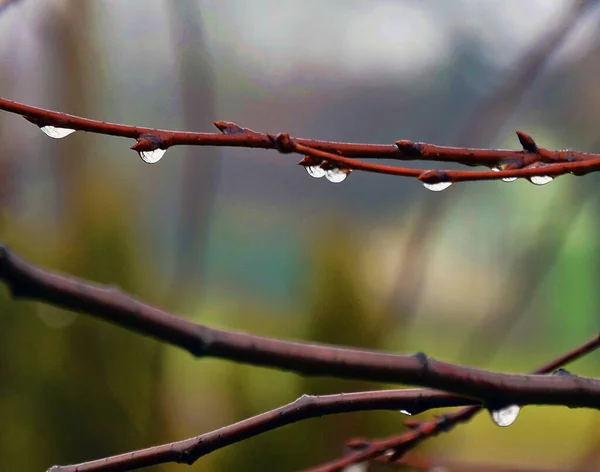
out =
column 200, row 165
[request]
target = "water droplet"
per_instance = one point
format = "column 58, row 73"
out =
column 152, row 157
column 360, row 467
column 316, row 171
column 506, row 416
column 504, row 179
column 406, row 412
column 540, row 179
column 438, row 187
column 336, row 175
column 56, row 133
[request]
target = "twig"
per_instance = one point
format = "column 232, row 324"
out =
column 532, row 161
column 397, row 445
column 305, row 407
column 28, row 281
column 190, row 450
column 426, row 464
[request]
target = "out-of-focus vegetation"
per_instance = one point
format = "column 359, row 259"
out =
column 281, row 254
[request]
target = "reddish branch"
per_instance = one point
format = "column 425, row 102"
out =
column 526, row 163
column 190, row 450
column 419, row 431
column 28, row 281
column 426, row 464
column 305, row 407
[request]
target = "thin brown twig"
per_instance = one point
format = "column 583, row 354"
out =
column 530, row 162
column 427, row 463
column 397, row 445
column 308, row 406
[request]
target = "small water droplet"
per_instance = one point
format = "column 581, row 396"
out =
column 438, row 187
column 336, row 175
column 540, row 179
column 316, row 171
column 506, row 416
column 152, row 157
column 56, row 133
column 360, row 467
column 504, row 179
column 406, row 412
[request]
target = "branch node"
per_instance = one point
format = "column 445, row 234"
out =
column 185, row 457
column 309, row 161
column 422, row 359
column 527, row 142
column 409, row 148
column 283, row 143
column 358, row 444
column 434, row 177
column 147, row 142
column 562, row 372
column 229, row 128
column 443, row 424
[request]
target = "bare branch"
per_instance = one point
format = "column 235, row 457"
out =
column 28, row 281
column 397, row 445
column 306, row 407
column 427, row 463
column 303, row 408
column 532, row 162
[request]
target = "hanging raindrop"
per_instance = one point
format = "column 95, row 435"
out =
column 506, row 416
column 336, row 175
column 315, row 171
column 406, row 412
column 152, row 157
column 437, row 187
column 540, row 179
column 504, row 179
column 56, row 133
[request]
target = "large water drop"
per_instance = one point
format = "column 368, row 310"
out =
column 540, row 179
column 406, row 412
column 336, row 175
column 56, row 133
column 437, row 187
column 316, row 171
column 152, row 157
column 506, row 416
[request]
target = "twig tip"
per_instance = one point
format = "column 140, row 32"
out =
column 527, row 142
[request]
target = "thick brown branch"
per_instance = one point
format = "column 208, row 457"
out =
column 28, row 281
column 305, row 407
column 397, row 445
column 529, row 162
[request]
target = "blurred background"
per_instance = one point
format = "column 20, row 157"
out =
column 496, row 275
